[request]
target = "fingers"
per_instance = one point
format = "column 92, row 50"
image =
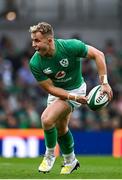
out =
column 82, row 99
column 109, row 93
column 107, row 89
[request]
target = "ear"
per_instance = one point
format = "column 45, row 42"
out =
column 49, row 40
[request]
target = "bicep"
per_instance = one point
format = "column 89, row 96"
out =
column 93, row 52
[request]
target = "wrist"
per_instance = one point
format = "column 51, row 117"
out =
column 77, row 97
column 73, row 97
column 103, row 79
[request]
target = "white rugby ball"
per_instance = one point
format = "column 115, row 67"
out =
column 95, row 100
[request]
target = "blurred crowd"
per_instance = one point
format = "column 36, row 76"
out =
column 22, row 101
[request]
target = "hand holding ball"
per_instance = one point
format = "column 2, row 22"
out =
column 96, row 100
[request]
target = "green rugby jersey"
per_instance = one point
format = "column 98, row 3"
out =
column 64, row 67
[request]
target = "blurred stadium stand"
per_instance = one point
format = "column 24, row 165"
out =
column 98, row 22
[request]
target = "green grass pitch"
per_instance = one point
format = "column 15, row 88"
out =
column 92, row 167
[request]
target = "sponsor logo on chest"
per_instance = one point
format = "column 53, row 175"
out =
column 60, row 75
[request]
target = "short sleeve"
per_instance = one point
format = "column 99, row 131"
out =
column 77, row 48
column 35, row 67
column 38, row 73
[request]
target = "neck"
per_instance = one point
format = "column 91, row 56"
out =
column 52, row 49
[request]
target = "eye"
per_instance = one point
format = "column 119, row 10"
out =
column 36, row 40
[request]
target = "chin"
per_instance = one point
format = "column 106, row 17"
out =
column 42, row 53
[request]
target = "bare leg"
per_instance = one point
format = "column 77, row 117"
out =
column 59, row 109
column 66, row 143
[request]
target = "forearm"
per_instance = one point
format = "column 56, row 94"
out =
column 101, row 66
column 59, row 92
column 48, row 86
column 64, row 95
column 99, row 58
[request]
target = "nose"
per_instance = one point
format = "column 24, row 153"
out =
column 33, row 44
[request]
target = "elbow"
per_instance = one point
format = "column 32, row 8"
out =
column 100, row 55
column 95, row 54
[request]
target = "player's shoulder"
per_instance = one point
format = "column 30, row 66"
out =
column 34, row 59
column 69, row 44
column 67, row 41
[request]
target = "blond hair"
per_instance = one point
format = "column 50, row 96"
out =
column 43, row 27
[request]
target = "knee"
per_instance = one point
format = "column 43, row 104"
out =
column 46, row 122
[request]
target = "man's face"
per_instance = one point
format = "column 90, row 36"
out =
column 40, row 43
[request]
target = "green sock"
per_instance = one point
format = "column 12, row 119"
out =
column 50, row 137
column 66, row 143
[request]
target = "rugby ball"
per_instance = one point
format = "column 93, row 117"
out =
column 95, row 100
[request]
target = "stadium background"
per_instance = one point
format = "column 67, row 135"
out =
column 96, row 22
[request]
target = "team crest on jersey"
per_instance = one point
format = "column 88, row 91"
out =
column 60, row 75
column 47, row 70
column 64, row 62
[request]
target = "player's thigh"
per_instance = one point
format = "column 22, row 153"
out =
column 62, row 124
column 56, row 110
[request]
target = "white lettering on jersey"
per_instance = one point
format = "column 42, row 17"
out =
column 63, row 80
column 64, row 62
column 47, row 70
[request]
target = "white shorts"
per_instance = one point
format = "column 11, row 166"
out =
column 79, row 91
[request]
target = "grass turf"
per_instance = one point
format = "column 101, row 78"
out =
column 92, row 167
